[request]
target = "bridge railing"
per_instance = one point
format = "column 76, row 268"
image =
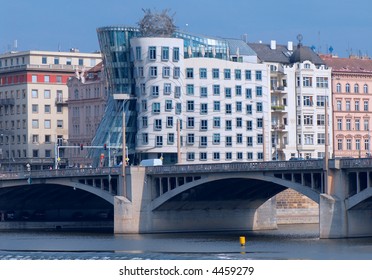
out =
column 58, row 173
column 355, row 163
column 236, row 167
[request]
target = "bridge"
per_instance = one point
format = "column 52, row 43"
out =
column 227, row 196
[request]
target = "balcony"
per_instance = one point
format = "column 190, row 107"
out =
column 278, row 108
column 61, row 101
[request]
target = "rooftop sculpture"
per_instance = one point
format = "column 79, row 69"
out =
column 156, row 24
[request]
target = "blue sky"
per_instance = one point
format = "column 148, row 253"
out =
column 52, row 25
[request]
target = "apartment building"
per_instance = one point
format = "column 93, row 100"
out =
column 33, row 105
column 87, row 97
column 299, row 89
column 351, row 97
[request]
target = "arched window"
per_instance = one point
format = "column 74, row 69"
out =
column 338, row 87
column 365, row 88
column 356, row 88
column 347, row 88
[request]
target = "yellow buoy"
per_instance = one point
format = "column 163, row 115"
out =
column 242, row 240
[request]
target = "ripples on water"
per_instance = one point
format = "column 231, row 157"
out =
column 289, row 242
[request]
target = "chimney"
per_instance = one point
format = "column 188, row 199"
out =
column 273, row 45
column 290, row 46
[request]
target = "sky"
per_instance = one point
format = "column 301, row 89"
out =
column 52, row 25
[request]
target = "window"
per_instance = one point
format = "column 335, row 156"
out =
column 138, row 53
column 215, row 73
column 164, row 53
column 166, row 72
column 238, row 106
column 259, row 123
column 249, row 109
column 144, row 122
column 259, row 107
column 35, row 138
column 227, row 74
column 339, row 105
column 228, row 155
column 307, row 81
column 338, row 88
column 356, row 105
column 204, row 125
column 157, row 124
column 228, row 92
column 357, row 144
column 189, row 73
column 339, row 144
column 176, row 54
column 216, row 89
column 239, row 122
column 366, row 106
column 168, row 105
column 152, row 53
column 309, row 139
column 159, row 141
column 249, row 125
column 259, row 139
column 34, row 93
column 56, row 60
column 156, row 107
column 190, row 89
column 47, row 124
column 190, row 106
column 153, row 71
column 190, row 156
column 216, row 139
column 320, row 119
column 238, row 74
column 46, row 79
column 167, row 89
column 320, row 100
column 203, row 156
column 238, row 90
column 348, row 107
column 348, row 144
column 258, row 75
column 308, row 101
column 228, row 109
column 203, row 92
column 365, row 88
column 249, row 141
column 357, row 124
column 59, row 79
column 190, row 122
column 228, row 124
column 216, row 156
column 216, row 122
column 59, row 123
column 144, row 105
column 249, row 155
column 356, row 88
column 347, row 88
column 321, row 138
column 47, row 139
column 216, row 106
column 176, row 72
column 35, row 153
column 35, row 123
column 348, row 124
column 248, row 74
column 248, row 93
column 259, row 91
column 204, row 108
column 203, row 73
column 35, row 108
column 321, row 82
column 170, row 138
column 190, row 139
column 308, row 120
column 155, row 91
column 44, row 60
column 169, row 122
column 145, row 138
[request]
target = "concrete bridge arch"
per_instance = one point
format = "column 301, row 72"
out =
column 278, row 185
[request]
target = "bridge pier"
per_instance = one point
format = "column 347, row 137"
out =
column 133, row 212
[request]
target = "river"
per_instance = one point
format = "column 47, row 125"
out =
column 289, row 242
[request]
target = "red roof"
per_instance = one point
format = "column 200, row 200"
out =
column 350, row 65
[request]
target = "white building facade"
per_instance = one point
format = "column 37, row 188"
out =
column 223, row 105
